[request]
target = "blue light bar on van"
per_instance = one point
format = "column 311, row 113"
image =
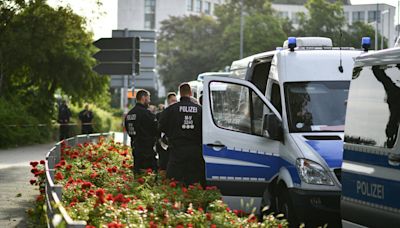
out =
column 366, row 43
column 292, row 43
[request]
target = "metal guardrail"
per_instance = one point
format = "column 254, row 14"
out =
column 56, row 213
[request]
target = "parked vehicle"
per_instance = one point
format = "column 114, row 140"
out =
column 273, row 130
column 371, row 159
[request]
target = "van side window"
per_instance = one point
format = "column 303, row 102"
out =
column 373, row 109
column 237, row 108
column 230, row 106
column 276, row 97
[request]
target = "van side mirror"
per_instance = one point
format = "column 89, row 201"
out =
column 272, row 127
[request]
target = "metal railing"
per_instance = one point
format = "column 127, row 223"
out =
column 56, row 213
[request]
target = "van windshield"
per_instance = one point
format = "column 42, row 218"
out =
column 316, row 106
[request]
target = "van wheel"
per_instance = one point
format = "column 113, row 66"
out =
column 286, row 208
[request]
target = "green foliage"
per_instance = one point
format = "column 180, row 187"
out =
column 43, row 50
column 104, row 120
column 327, row 19
column 18, row 126
column 195, row 44
column 187, row 47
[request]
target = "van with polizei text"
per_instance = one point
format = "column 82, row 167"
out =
column 371, row 157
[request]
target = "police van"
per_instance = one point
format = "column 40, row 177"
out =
column 273, row 130
column 371, row 159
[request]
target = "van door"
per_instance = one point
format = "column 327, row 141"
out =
column 240, row 157
column 371, row 158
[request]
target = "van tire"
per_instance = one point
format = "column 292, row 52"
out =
column 285, row 207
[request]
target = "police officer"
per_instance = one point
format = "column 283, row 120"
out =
column 86, row 117
column 64, row 115
column 141, row 126
column 163, row 153
column 182, row 124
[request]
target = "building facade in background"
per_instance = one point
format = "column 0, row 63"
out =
column 382, row 14
column 147, row 14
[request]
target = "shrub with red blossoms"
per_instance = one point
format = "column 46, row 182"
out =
column 99, row 187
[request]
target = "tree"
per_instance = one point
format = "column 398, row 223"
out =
column 323, row 19
column 195, row 44
column 44, row 49
column 187, row 47
column 327, row 19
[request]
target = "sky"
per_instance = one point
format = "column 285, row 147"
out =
column 103, row 19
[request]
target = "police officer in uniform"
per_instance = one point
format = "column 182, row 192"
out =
column 141, row 126
column 86, row 117
column 162, row 142
column 64, row 115
column 182, row 124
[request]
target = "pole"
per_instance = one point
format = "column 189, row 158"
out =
column 376, row 27
column 125, row 97
column 382, row 27
column 398, row 19
column 241, row 29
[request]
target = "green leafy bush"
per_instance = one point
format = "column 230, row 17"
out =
column 19, row 127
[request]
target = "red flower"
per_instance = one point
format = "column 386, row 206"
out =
column 228, row 209
column 152, row 224
column 180, row 226
column 93, row 175
column 115, row 225
column 213, row 226
column 140, row 208
column 34, row 170
column 140, row 180
column 72, row 204
column 190, row 225
column 62, row 162
column 114, row 169
column 279, row 225
column 59, row 176
column 68, row 167
column 40, row 198
column 184, row 190
column 32, row 181
column 200, row 209
column 109, row 197
column 165, row 200
column 34, row 164
column 86, row 185
column 149, row 171
column 209, row 216
column 100, row 192
column 42, row 162
column 172, row 184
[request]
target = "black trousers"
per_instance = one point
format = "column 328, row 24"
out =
column 64, row 132
column 87, row 129
column 187, row 165
column 163, row 157
column 143, row 158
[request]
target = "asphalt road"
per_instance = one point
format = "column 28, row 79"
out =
column 14, row 181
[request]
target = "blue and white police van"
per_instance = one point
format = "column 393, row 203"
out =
column 273, row 130
column 371, row 159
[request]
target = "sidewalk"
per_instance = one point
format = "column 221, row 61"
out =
column 14, row 179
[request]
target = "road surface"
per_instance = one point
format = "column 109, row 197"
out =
column 14, row 180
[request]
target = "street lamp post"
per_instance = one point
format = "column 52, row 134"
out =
column 376, row 27
column 382, row 26
column 241, row 29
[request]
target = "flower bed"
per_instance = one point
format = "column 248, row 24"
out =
column 100, row 188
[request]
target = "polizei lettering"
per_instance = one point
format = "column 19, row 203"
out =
column 188, row 109
column 370, row 189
